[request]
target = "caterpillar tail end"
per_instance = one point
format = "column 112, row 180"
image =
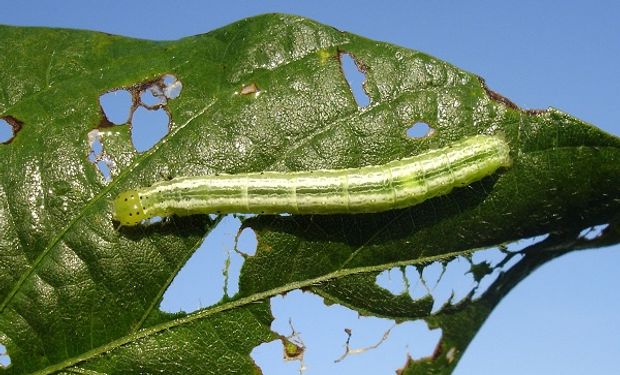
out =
column 128, row 209
column 504, row 150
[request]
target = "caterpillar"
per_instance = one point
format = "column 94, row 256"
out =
column 375, row 188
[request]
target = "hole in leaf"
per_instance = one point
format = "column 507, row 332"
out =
column 510, row 262
column 431, row 274
column 485, row 283
column 152, row 97
column 104, row 169
column 148, row 127
column 450, row 283
column 417, row 288
column 246, row 242
column 491, row 256
column 593, row 232
column 493, row 271
column 9, row 127
column 95, row 143
column 171, row 86
column 420, row 130
column 454, row 284
column 459, row 279
column 355, row 78
column 392, row 280
column 96, row 155
column 338, row 341
column 6, row 131
column 498, row 260
column 520, row 245
column 5, row 359
column 204, row 279
column 116, row 106
column 447, row 284
column 245, row 245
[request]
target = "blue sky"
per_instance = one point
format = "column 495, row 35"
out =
column 563, row 318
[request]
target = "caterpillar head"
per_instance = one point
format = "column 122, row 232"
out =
column 128, row 208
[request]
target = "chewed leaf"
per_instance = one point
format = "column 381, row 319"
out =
column 78, row 294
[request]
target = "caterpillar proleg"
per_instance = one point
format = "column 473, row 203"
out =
column 396, row 184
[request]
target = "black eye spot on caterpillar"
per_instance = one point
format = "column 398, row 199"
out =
column 397, row 184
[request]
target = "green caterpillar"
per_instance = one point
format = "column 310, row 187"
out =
column 397, row 184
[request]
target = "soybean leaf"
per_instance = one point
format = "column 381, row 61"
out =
column 79, row 295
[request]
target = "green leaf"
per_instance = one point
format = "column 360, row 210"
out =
column 79, row 295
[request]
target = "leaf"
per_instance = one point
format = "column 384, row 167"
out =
column 266, row 93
